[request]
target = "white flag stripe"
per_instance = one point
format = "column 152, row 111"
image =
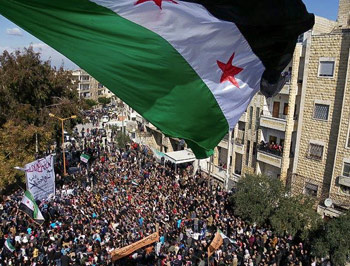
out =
column 205, row 41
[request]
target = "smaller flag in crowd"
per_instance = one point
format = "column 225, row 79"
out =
column 8, row 245
column 29, row 207
column 84, row 158
column 226, row 237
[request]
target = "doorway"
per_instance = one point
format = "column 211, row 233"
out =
column 276, row 109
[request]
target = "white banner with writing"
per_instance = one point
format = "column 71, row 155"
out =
column 40, row 177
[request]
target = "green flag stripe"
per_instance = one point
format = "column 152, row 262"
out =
column 162, row 86
column 31, row 198
column 9, row 245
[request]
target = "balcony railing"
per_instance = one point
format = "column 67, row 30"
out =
column 278, row 115
column 273, row 149
column 269, row 155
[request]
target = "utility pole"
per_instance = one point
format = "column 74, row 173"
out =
column 62, row 125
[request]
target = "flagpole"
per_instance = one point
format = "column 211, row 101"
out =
column 208, row 257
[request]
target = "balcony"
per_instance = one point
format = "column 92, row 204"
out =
column 243, row 118
column 239, row 145
column 270, row 155
column 277, row 122
column 224, row 142
column 344, row 181
column 285, row 89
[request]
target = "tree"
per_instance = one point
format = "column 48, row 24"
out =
column 295, row 215
column 90, row 103
column 29, row 90
column 104, row 101
column 332, row 240
column 16, row 142
column 122, row 139
column 257, row 197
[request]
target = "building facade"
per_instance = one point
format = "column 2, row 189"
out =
column 322, row 165
column 88, row 87
column 301, row 136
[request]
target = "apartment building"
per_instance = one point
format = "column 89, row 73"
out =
column 264, row 140
column 88, row 87
column 322, row 165
column 302, row 135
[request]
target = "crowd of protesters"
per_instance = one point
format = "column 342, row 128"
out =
column 123, row 195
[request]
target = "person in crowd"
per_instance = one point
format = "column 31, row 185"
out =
column 121, row 196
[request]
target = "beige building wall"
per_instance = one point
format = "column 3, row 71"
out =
column 344, row 13
column 284, row 128
column 326, row 91
column 340, row 183
column 323, row 25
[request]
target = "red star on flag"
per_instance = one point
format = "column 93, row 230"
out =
column 229, row 71
column 157, row 2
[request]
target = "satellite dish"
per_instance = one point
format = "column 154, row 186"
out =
column 328, row 202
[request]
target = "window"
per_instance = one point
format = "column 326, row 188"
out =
column 100, row 86
column 257, row 118
column 247, row 154
column 84, row 78
column 272, row 139
column 346, row 169
column 321, row 111
column 250, row 117
column 285, row 109
column 315, row 151
column 326, row 69
column 310, row 189
column 84, row 87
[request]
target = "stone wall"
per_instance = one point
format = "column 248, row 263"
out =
column 343, row 13
column 327, row 90
column 323, row 25
column 339, row 196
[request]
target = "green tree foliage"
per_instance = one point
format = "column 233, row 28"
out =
column 333, row 240
column 256, row 198
column 104, row 101
column 295, row 215
column 263, row 200
column 90, row 103
column 122, row 139
column 29, row 90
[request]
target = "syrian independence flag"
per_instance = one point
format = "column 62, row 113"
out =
column 189, row 67
column 8, row 245
column 29, row 207
column 84, row 158
column 223, row 236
